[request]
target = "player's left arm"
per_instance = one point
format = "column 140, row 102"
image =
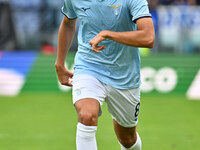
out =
column 143, row 37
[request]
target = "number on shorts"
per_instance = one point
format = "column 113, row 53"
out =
column 137, row 108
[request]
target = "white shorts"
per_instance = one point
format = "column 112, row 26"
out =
column 123, row 105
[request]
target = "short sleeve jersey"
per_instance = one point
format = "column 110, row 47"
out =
column 118, row 65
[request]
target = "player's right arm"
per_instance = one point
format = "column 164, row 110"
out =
column 65, row 38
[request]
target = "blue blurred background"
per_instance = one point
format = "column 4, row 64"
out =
column 33, row 24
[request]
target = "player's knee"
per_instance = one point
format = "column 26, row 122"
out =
column 88, row 118
column 127, row 142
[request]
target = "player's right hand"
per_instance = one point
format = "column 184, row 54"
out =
column 64, row 75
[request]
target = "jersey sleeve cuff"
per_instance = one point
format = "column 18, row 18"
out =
column 141, row 16
column 71, row 18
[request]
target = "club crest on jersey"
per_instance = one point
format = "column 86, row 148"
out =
column 115, row 8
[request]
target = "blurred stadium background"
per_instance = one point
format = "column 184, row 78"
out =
column 36, row 112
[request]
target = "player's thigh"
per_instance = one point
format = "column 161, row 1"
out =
column 87, row 110
column 88, row 96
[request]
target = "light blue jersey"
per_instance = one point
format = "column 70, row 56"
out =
column 118, row 65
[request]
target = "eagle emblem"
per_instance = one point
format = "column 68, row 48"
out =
column 115, row 8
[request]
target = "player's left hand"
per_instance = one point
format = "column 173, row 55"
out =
column 96, row 40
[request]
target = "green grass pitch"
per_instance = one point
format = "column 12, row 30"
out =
column 47, row 121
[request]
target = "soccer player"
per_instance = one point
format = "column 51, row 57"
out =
column 107, row 64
